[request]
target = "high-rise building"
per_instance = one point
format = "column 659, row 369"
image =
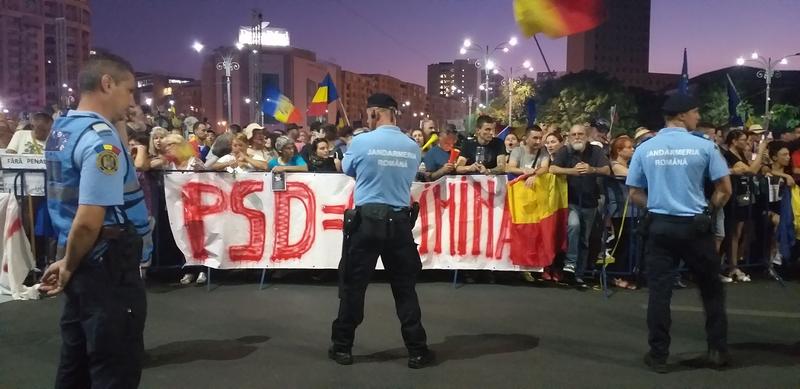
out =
column 619, row 47
column 358, row 87
column 43, row 44
column 453, row 79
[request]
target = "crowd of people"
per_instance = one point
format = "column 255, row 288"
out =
column 601, row 223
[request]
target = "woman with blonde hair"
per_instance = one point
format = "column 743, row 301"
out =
column 155, row 148
column 179, row 154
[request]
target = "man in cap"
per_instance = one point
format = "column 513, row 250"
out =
column 599, row 129
column 384, row 163
column 679, row 224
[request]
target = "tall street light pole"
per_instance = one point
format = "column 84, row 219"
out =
column 767, row 71
column 228, row 65
column 510, row 82
column 487, row 64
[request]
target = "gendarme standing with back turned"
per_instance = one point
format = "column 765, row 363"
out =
column 98, row 210
column 384, row 163
column 667, row 176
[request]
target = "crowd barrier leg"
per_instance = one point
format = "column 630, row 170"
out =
column 208, row 281
column 263, row 276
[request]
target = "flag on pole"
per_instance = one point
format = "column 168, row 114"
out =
column 325, row 95
column 683, row 83
column 557, row 18
column 504, row 133
column 530, row 110
column 280, row 107
column 339, row 119
column 538, row 213
column 733, row 104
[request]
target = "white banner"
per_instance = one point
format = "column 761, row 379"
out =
column 226, row 221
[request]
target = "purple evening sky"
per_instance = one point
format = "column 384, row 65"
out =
column 401, row 38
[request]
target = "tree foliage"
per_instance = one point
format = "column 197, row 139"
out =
column 580, row 97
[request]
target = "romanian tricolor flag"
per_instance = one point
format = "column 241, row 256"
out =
column 325, row 95
column 280, row 107
column 538, row 219
column 557, row 18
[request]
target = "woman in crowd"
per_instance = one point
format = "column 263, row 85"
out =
column 137, row 145
column 622, row 227
column 239, row 159
column 258, row 145
column 156, row 151
column 511, row 142
column 621, row 154
column 179, row 154
column 742, row 168
column 288, row 160
column 780, row 178
column 553, row 142
column 322, row 160
column 418, row 136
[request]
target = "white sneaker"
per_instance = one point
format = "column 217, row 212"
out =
column 187, row 279
column 201, row 278
column 725, row 279
column 777, row 259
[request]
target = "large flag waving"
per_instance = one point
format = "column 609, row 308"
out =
column 557, row 18
column 280, row 107
column 733, row 104
column 538, row 214
column 325, row 95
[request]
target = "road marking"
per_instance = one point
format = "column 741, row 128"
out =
column 733, row 311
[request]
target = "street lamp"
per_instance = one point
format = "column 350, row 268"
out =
column 197, row 46
column 766, row 71
column 228, row 65
column 509, row 76
column 247, row 100
column 487, row 63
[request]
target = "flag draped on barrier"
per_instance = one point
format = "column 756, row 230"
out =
column 538, row 219
column 464, row 222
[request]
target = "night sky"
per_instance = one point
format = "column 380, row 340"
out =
column 401, row 38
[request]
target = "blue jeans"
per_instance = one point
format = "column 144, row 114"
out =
column 579, row 227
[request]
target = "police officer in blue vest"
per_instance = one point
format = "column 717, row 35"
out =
column 384, row 163
column 667, row 176
column 97, row 209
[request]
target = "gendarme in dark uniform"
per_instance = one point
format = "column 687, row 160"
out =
column 384, row 163
column 667, row 174
column 98, row 210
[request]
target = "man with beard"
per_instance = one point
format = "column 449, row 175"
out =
column 582, row 163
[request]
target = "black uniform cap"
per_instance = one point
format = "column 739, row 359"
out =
column 381, row 100
column 679, row 103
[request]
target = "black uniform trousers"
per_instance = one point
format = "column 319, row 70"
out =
column 401, row 260
column 670, row 239
column 103, row 322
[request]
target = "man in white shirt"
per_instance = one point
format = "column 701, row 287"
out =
column 31, row 142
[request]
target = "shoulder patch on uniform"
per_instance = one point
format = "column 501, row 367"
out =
column 107, row 162
column 107, row 147
column 101, row 128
